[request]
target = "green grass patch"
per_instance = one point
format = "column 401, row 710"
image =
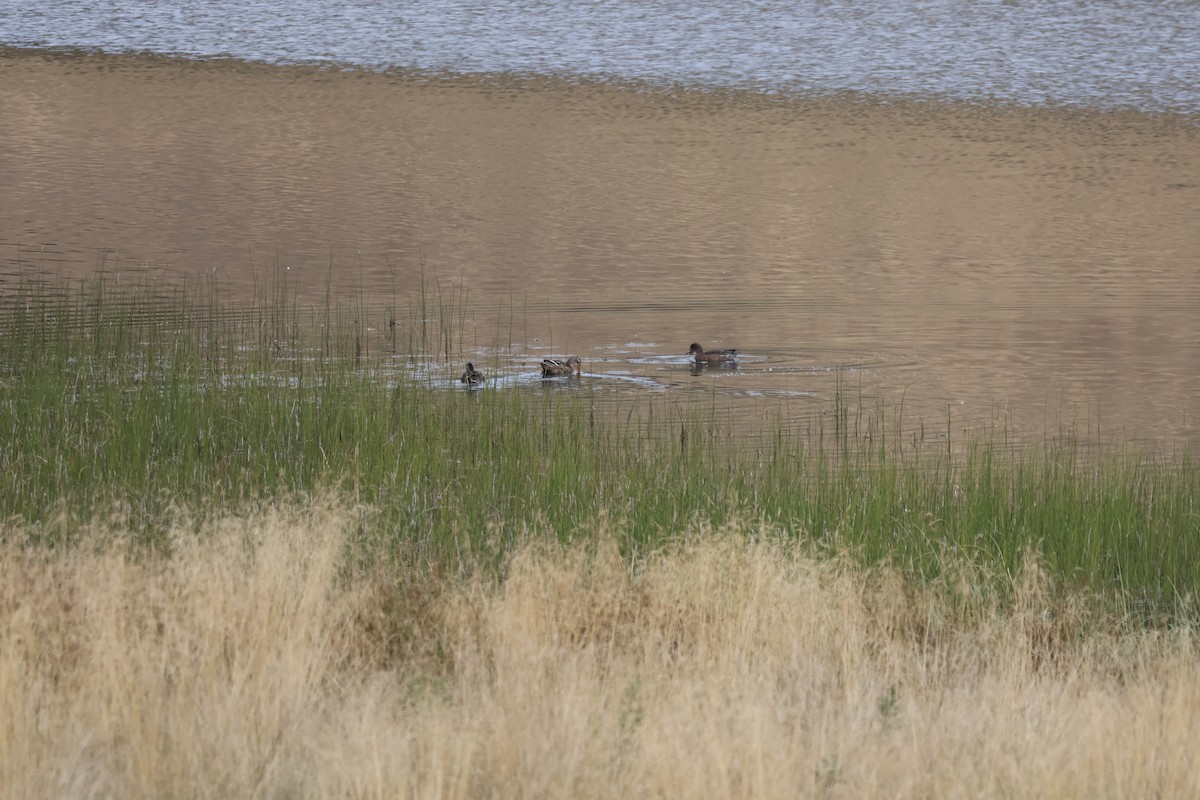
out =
column 137, row 402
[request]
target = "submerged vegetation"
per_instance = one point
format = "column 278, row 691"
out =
column 135, row 404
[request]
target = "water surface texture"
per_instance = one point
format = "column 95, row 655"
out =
column 1100, row 53
column 965, row 265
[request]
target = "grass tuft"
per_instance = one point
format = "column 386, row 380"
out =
column 733, row 661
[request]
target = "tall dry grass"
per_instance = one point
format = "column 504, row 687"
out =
column 251, row 660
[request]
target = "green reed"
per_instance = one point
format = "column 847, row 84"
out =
column 140, row 402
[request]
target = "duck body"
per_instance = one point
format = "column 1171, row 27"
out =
column 703, row 356
column 556, row 368
column 472, row 377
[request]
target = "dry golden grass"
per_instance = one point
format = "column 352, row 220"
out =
column 246, row 663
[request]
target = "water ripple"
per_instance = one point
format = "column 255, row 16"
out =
column 1103, row 54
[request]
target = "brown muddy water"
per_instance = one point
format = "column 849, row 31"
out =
column 966, row 267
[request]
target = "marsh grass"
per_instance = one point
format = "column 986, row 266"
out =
column 733, row 661
column 130, row 402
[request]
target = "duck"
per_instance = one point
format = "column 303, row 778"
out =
column 554, row 367
column 711, row 356
column 472, row 377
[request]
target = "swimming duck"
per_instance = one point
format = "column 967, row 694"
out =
column 554, row 367
column 711, row 356
column 472, row 377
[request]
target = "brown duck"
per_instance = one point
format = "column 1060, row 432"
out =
column 711, row 356
column 472, row 377
column 554, row 367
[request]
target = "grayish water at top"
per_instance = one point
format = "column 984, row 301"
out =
column 1100, row 54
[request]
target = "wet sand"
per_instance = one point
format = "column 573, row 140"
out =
column 994, row 265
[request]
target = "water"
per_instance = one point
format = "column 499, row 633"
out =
column 1096, row 54
column 1020, row 268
